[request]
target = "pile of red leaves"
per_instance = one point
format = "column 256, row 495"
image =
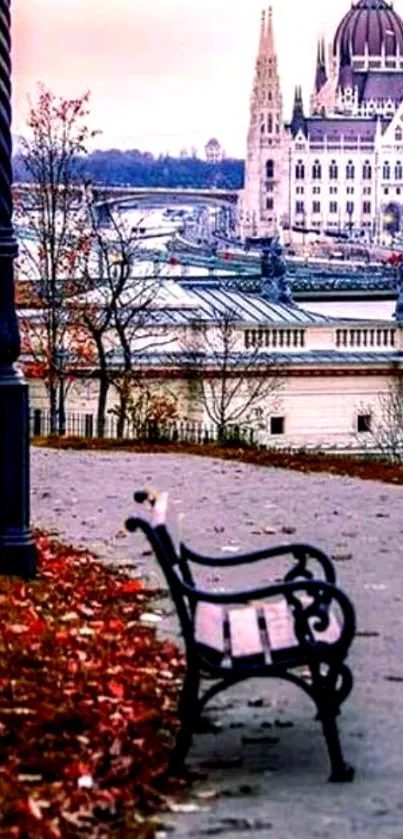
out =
column 87, row 702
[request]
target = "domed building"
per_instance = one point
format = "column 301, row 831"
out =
column 213, row 151
column 338, row 168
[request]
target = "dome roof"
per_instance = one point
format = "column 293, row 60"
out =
column 369, row 24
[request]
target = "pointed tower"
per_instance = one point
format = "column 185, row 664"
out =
column 321, row 77
column 262, row 199
column 321, row 72
column 298, row 116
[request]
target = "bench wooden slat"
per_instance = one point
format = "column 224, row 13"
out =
column 245, row 635
column 245, row 638
column 279, row 626
column 209, row 629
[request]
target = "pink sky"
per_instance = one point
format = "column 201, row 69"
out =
column 164, row 74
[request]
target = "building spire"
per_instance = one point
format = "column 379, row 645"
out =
column 323, row 53
column 321, row 72
column 266, row 90
column 298, row 116
column 269, row 32
column 262, row 194
column 262, row 33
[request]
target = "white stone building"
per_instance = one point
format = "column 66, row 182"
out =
column 340, row 167
column 331, row 373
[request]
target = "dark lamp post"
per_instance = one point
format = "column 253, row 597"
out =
column 17, row 549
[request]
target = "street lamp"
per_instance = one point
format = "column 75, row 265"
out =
column 17, row 549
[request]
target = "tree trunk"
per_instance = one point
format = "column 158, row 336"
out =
column 62, row 407
column 102, row 399
column 125, row 385
column 53, row 407
column 120, row 427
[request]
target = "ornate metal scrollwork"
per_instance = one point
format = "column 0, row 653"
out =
column 299, row 570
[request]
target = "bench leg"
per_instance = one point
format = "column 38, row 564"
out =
column 188, row 702
column 181, row 748
column 330, row 690
column 188, row 712
column 340, row 770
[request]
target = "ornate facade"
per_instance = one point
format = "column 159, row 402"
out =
column 340, row 167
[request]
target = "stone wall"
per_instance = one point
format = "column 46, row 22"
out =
column 318, row 406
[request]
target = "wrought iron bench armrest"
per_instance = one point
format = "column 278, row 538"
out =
column 136, row 523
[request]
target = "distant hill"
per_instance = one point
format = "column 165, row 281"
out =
column 136, row 168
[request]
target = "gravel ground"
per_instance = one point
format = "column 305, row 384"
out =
column 265, row 766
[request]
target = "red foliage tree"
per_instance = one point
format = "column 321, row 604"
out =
column 54, row 240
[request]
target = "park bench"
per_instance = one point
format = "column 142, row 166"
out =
column 298, row 629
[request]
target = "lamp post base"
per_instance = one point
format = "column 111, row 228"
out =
column 18, row 555
column 17, row 548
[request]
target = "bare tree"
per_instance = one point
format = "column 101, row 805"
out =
column 234, row 387
column 387, row 433
column 53, row 238
column 118, row 314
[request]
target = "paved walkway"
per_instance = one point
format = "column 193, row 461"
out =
column 265, row 766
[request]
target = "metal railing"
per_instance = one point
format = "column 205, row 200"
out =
column 84, row 425
column 181, row 431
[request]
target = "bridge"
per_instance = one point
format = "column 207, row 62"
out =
column 224, row 200
column 158, row 196
column 105, row 197
column 122, row 194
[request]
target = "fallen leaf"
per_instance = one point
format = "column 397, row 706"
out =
column 85, row 782
column 150, row 617
column 132, row 586
column 186, row 807
column 116, row 689
column 33, row 809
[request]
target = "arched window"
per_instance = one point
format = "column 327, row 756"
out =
column 270, row 169
column 350, row 171
column 269, row 123
column 333, row 171
column 367, row 171
column 398, row 135
column 398, row 171
column 386, row 171
column 316, row 171
column 300, row 171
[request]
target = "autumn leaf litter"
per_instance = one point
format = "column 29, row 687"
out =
column 87, row 702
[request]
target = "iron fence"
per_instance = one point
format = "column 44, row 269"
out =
column 85, row 425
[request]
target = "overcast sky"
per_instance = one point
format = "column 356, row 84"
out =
column 164, row 74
